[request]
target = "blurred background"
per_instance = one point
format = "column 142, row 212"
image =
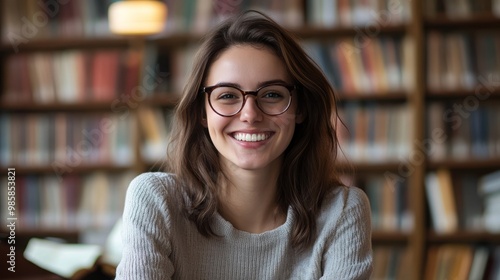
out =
column 86, row 106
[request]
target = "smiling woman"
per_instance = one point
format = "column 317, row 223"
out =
column 251, row 190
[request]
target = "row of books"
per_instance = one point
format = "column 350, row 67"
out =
column 389, row 202
column 374, row 133
column 390, row 262
column 72, row 76
column 489, row 187
column 462, row 61
column 463, row 130
column 168, row 68
column 73, row 202
column 456, row 261
column 462, row 8
column 370, row 65
column 155, row 125
column 198, row 16
column 65, row 140
column 25, row 20
column 332, row 13
column 462, row 201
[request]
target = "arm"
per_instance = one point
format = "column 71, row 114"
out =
column 145, row 232
column 349, row 252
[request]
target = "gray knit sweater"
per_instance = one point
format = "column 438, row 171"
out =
column 160, row 243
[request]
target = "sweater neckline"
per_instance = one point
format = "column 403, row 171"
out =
column 225, row 228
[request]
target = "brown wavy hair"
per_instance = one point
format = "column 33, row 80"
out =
column 308, row 171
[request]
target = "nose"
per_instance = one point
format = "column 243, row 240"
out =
column 250, row 112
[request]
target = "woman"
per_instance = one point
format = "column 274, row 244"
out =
column 253, row 191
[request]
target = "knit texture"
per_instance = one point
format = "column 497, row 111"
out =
column 161, row 243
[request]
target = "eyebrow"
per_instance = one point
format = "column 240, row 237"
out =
column 259, row 85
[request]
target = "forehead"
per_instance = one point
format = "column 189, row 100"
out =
column 247, row 66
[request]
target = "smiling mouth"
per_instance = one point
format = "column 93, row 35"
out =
column 251, row 137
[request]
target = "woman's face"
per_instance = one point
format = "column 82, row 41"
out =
column 248, row 68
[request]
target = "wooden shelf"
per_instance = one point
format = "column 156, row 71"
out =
column 484, row 93
column 178, row 38
column 110, row 41
column 393, row 96
column 51, row 44
column 307, row 32
column 175, row 39
column 68, row 235
column 464, row 236
column 162, row 99
column 91, row 106
column 370, row 166
column 389, row 237
column 349, row 31
column 466, row 164
column 486, row 21
column 84, row 168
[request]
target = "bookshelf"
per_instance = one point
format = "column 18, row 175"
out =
column 387, row 106
column 464, row 95
column 60, row 130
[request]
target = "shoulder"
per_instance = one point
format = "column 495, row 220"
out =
column 152, row 195
column 344, row 203
column 152, row 181
column 345, row 198
column 151, row 187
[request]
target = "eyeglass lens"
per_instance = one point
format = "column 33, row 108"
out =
column 272, row 100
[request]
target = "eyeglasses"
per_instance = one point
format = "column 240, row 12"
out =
column 227, row 100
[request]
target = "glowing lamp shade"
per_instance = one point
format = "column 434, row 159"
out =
column 140, row 17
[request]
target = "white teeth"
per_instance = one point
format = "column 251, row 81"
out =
column 247, row 137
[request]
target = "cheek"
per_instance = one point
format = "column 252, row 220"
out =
column 211, row 118
column 215, row 123
column 287, row 125
column 287, row 120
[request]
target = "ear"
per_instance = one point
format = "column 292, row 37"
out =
column 204, row 122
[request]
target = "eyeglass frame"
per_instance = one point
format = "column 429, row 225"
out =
column 209, row 89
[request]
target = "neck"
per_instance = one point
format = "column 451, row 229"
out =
column 248, row 199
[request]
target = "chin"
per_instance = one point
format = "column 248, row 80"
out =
column 254, row 164
column 250, row 166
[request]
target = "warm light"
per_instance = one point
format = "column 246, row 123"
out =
column 137, row 17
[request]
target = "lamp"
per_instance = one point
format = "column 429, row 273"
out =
column 138, row 17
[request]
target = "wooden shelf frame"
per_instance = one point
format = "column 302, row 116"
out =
column 417, row 239
column 482, row 92
column 22, row 170
column 474, row 237
column 165, row 100
column 393, row 96
column 473, row 22
column 57, row 44
column 179, row 38
column 390, row 237
column 469, row 164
